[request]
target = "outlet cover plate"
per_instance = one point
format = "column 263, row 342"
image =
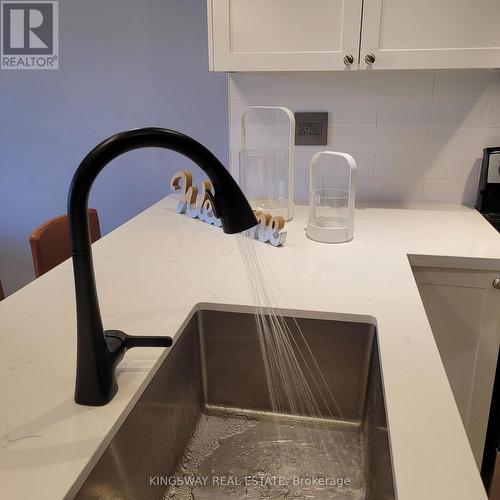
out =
column 311, row 129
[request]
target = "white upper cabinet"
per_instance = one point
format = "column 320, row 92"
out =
column 431, row 34
column 323, row 35
column 283, row 35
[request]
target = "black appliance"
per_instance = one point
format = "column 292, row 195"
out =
column 488, row 195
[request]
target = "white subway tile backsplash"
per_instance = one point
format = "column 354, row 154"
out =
column 432, row 113
column 380, row 139
column 253, row 117
column 380, row 190
column 332, row 172
column 352, row 114
column 426, row 166
column 302, row 159
column 416, row 136
column 450, row 191
column 462, row 140
column 336, row 167
column 465, row 85
column 303, row 155
column 493, row 118
column 262, row 137
column 365, row 163
column 340, row 113
column 252, row 86
column 357, row 86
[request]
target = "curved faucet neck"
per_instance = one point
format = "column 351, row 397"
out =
column 99, row 352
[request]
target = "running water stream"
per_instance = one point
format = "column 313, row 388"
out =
column 300, row 450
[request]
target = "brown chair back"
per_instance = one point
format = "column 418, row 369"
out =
column 2, row 295
column 50, row 242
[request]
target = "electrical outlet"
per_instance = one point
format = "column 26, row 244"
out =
column 311, row 129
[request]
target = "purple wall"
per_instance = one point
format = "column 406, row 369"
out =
column 123, row 64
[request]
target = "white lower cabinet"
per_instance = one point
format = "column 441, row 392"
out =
column 463, row 308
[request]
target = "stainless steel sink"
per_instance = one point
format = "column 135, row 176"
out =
column 207, row 415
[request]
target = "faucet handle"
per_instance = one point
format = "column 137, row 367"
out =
column 129, row 341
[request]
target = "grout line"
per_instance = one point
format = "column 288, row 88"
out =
column 487, row 116
column 390, row 177
column 433, row 87
column 325, row 97
column 374, row 169
column 421, row 189
column 432, row 179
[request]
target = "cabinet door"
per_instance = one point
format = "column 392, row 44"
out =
column 419, row 34
column 283, row 35
column 463, row 309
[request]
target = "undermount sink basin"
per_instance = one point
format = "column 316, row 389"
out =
column 206, row 418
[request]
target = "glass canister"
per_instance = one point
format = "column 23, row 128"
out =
column 267, row 160
column 331, row 209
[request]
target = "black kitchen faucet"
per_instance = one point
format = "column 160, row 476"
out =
column 99, row 351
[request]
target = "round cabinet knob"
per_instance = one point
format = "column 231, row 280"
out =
column 348, row 59
column 496, row 283
column 370, row 58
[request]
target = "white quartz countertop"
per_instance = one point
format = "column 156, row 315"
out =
column 155, row 270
